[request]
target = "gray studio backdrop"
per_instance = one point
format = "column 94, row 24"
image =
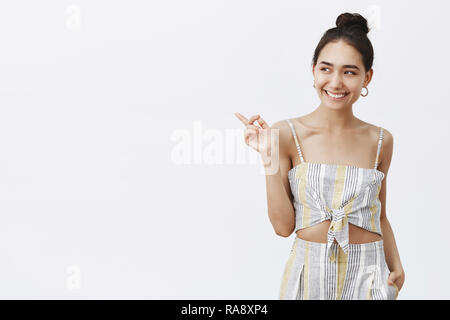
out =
column 123, row 170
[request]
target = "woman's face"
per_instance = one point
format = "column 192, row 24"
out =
column 340, row 70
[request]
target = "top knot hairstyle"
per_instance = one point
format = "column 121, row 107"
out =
column 353, row 29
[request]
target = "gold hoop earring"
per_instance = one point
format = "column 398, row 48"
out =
column 367, row 92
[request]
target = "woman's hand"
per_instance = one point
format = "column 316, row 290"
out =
column 397, row 277
column 257, row 137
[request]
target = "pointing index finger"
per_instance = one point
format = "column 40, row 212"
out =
column 243, row 119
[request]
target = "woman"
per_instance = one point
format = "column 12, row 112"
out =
column 334, row 200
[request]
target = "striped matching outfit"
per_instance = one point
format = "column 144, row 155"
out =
column 336, row 269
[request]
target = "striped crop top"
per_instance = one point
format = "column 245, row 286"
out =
column 340, row 193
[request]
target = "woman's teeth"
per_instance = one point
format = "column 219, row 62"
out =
column 336, row 96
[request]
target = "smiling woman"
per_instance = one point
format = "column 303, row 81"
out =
column 338, row 218
column 344, row 247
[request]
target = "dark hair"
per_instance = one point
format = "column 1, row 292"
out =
column 353, row 29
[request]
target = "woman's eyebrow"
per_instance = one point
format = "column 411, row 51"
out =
column 344, row 66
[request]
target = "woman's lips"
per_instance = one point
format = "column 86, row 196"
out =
column 333, row 98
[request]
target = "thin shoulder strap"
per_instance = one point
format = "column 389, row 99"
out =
column 380, row 140
column 296, row 140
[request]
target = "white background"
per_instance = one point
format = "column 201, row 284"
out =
column 94, row 202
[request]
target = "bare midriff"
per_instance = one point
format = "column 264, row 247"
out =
column 319, row 233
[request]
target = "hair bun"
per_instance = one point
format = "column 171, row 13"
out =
column 348, row 20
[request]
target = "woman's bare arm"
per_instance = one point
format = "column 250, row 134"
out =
column 279, row 199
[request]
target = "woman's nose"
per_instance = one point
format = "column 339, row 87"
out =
column 336, row 81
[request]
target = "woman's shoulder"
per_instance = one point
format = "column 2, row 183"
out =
column 280, row 124
column 299, row 127
column 376, row 131
column 284, row 123
column 386, row 148
column 284, row 132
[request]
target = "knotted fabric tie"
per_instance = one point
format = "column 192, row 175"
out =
column 338, row 230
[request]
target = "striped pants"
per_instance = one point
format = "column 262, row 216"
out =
column 361, row 274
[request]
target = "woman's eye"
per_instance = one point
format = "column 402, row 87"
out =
column 345, row 71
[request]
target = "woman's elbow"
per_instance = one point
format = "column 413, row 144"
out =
column 284, row 233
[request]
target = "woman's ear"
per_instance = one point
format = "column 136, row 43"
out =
column 368, row 78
